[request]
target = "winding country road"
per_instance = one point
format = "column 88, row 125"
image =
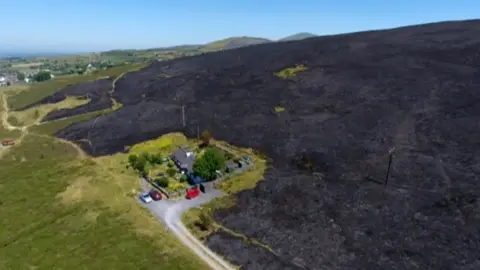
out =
column 170, row 213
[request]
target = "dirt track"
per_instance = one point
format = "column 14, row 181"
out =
column 415, row 89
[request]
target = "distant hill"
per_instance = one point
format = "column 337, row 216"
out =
column 298, row 36
column 233, row 42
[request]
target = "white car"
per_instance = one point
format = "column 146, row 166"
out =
column 145, row 197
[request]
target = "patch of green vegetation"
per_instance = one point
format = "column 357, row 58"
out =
column 151, row 158
column 41, row 90
column 200, row 222
column 9, row 134
column 163, row 144
column 207, row 164
column 60, row 212
column 290, row 72
column 52, row 127
column 279, row 109
column 244, row 181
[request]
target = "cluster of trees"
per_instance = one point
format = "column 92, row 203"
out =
column 211, row 161
column 42, row 76
column 140, row 162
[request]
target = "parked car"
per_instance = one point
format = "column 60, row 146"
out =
column 155, row 195
column 192, row 193
column 145, row 197
column 8, row 142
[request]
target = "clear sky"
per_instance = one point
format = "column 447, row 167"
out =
column 93, row 25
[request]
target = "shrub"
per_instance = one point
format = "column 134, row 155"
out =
column 171, row 172
column 183, row 178
column 205, row 137
column 162, row 182
column 205, row 222
column 155, row 159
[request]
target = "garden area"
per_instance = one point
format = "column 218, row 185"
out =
column 202, row 159
column 152, row 160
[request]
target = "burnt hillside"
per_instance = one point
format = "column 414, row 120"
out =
column 413, row 88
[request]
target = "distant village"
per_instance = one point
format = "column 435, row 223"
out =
column 11, row 76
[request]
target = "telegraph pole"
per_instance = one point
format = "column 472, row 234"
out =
column 198, row 132
column 183, row 115
column 390, row 153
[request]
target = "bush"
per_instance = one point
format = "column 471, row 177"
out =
column 171, row 172
column 162, row 182
column 205, row 222
column 183, row 178
column 155, row 159
column 205, row 137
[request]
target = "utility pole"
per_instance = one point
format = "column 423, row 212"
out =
column 198, row 132
column 183, row 115
column 390, row 155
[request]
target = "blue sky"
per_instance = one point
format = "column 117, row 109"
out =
column 86, row 25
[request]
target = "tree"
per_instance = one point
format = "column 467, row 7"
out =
column 208, row 163
column 21, row 76
column 162, row 182
column 42, row 76
column 205, row 137
column 138, row 163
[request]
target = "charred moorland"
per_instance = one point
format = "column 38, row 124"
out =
column 409, row 93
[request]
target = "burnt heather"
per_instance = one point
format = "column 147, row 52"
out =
column 413, row 88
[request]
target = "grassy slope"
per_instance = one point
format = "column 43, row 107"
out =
column 63, row 212
column 72, row 214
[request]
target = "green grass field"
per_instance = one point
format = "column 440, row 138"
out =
column 60, row 210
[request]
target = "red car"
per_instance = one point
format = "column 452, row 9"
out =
column 156, row 196
column 8, row 142
column 192, row 193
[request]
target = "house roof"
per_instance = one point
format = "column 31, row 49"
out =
column 184, row 158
